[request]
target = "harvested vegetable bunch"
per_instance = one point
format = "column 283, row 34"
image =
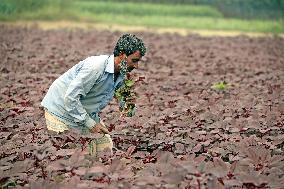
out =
column 126, row 97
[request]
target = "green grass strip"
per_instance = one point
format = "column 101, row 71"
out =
column 133, row 14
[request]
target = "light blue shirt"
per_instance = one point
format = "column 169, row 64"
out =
column 77, row 96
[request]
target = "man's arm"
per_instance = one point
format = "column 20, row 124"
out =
column 79, row 87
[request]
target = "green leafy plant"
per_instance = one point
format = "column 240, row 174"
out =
column 8, row 185
column 126, row 98
column 223, row 85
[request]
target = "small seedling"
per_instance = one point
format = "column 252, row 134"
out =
column 221, row 86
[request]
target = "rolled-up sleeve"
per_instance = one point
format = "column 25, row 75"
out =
column 79, row 87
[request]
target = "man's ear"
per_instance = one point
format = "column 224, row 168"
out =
column 122, row 55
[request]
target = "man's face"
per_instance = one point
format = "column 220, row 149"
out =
column 132, row 61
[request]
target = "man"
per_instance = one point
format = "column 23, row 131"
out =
column 76, row 97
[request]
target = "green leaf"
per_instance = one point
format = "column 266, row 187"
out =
column 220, row 86
column 129, row 83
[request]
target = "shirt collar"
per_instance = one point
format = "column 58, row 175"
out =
column 110, row 64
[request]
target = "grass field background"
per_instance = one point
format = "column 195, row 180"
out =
column 152, row 15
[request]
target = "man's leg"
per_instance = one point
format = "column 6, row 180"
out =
column 53, row 124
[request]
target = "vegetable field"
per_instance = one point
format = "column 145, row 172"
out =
column 210, row 113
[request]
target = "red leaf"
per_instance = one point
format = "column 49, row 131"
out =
column 130, row 150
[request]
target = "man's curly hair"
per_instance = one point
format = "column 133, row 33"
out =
column 128, row 44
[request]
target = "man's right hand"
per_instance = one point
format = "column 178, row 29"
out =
column 99, row 128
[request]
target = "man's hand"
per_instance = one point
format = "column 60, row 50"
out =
column 99, row 128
